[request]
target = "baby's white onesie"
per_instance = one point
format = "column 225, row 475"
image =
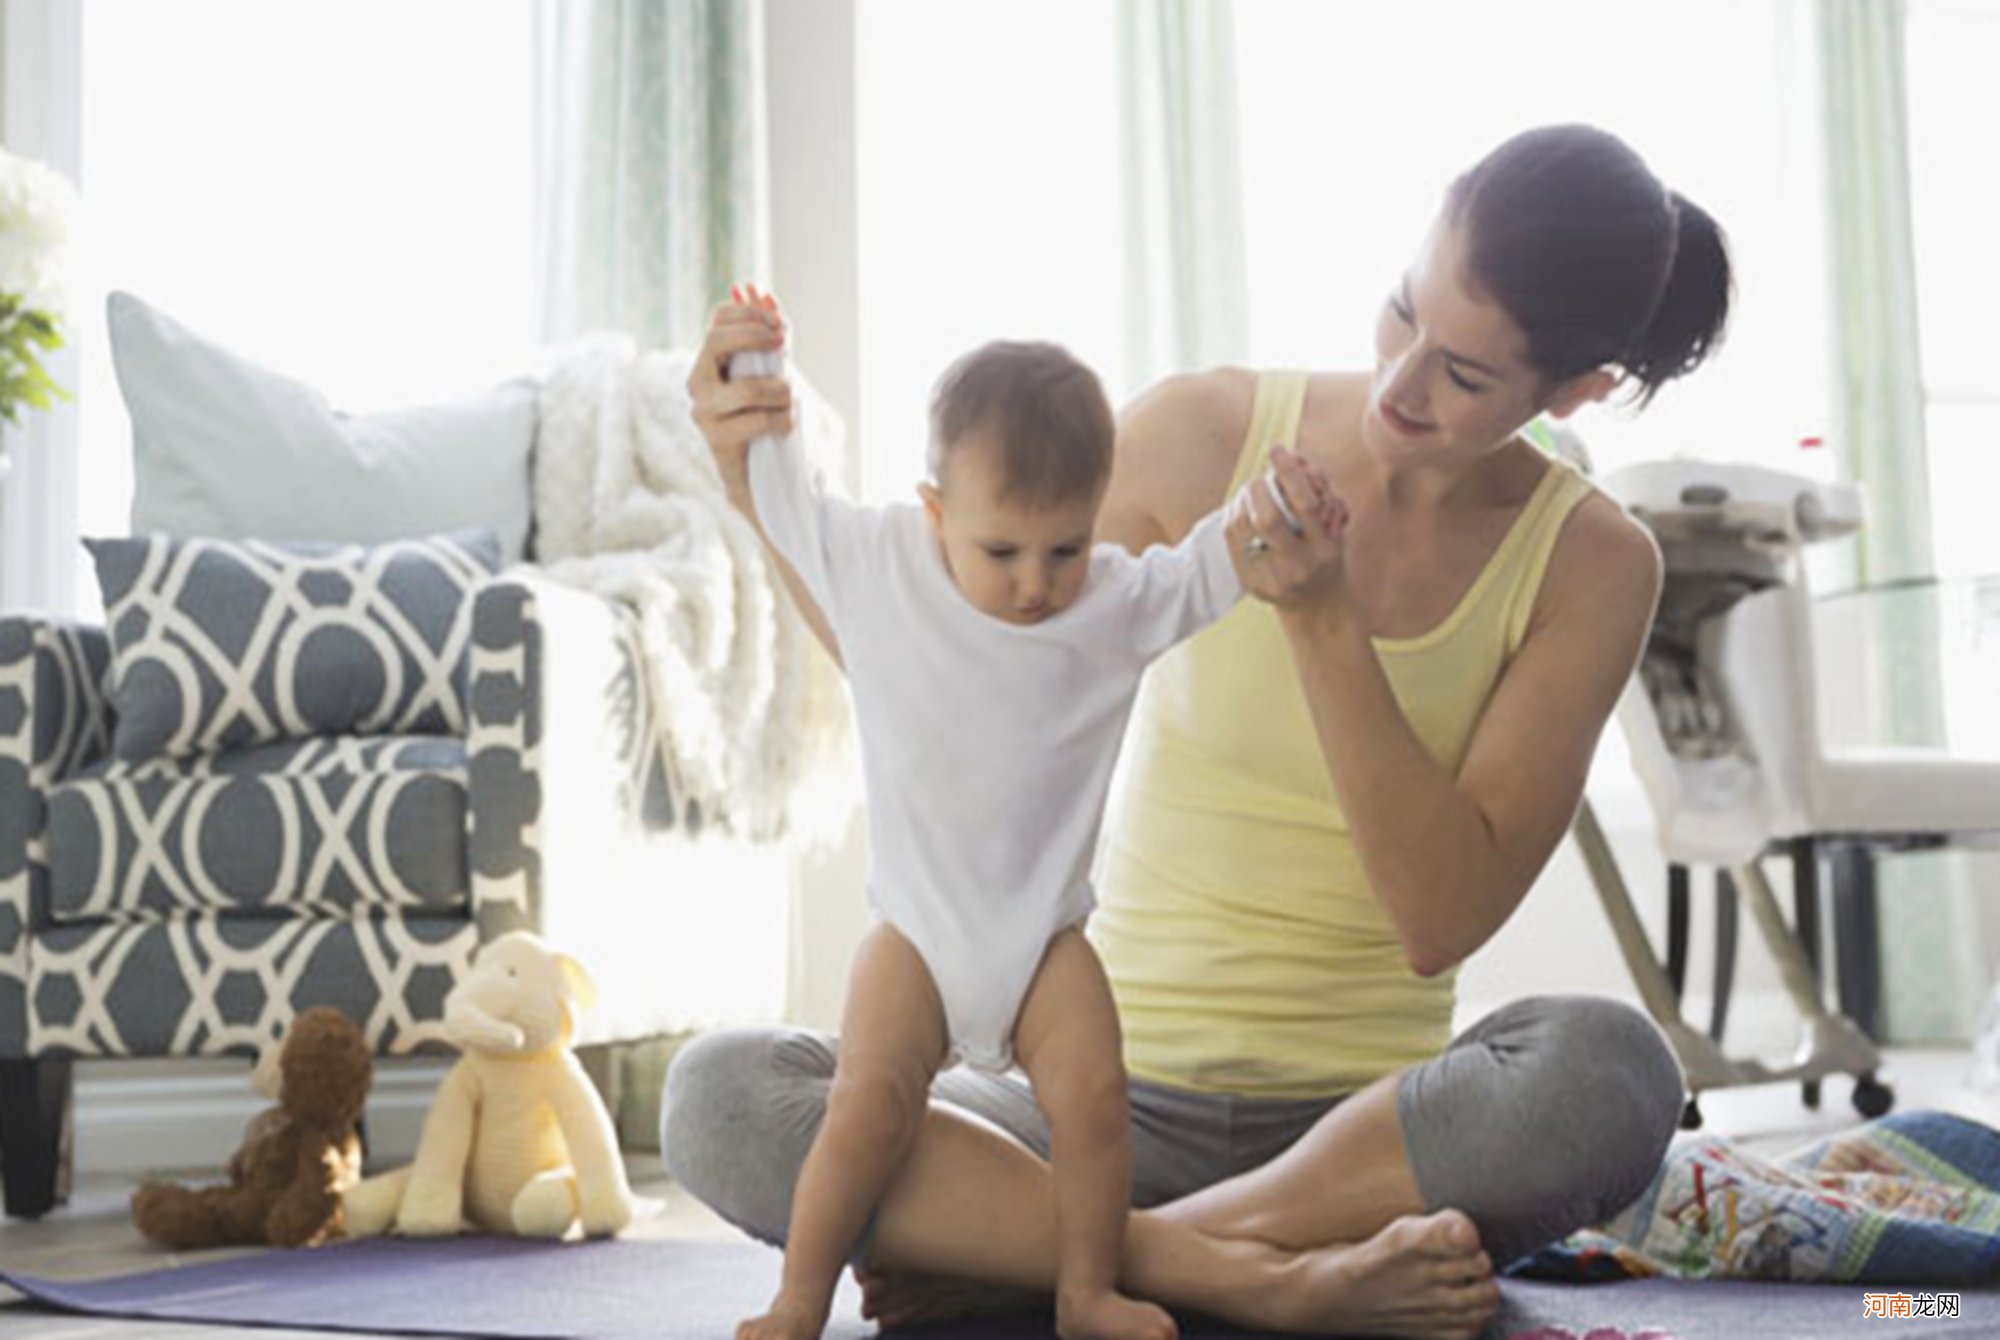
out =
column 987, row 747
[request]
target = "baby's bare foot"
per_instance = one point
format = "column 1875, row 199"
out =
column 790, row 1318
column 1423, row 1275
column 1110, row 1315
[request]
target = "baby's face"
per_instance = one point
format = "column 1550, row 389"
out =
column 1013, row 561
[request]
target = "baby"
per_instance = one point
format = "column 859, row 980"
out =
column 993, row 653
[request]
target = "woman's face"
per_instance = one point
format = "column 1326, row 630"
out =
column 1452, row 379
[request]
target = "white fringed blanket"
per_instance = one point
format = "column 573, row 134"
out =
column 628, row 505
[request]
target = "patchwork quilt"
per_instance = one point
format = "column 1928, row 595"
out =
column 1912, row 1198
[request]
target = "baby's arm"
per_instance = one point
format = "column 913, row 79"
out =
column 723, row 411
column 770, row 482
column 737, row 390
column 732, row 460
column 1179, row 590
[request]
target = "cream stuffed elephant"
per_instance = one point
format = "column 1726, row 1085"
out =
column 518, row 1141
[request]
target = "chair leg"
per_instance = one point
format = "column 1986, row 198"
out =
column 1677, row 929
column 1725, row 952
column 1805, row 900
column 1805, row 924
column 36, row 1106
column 1854, row 937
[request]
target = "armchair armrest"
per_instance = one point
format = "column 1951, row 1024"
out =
column 54, row 720
column 559, row 727
column 572, row 823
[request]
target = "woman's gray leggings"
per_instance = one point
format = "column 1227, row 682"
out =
column 1549, row 1114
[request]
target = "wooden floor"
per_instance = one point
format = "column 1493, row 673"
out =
column 92, row 1236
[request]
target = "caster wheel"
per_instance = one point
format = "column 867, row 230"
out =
column 1691, row 1115
column 1872, row 1097
column 1809, row 1090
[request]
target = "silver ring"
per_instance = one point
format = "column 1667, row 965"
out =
column 1256, row 547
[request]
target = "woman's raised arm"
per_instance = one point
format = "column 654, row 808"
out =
column 1452, row 857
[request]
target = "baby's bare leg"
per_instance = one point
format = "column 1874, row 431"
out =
column 892, row 1040
column 1068, row 1041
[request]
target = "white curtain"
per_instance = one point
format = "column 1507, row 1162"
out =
column 1183, row 193
column 1879, row 392
column 651, row 199
column 650, row 163
column 1929, row 910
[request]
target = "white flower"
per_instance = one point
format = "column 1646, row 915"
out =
column 36, row 207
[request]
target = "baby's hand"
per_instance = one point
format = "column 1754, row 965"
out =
column 736, row 389
column 1287, row 531
column 1324, row 506
column 759, row 362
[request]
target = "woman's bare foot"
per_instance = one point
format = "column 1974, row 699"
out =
column 790, row 1318
column 1110, row 1315
column 897, row 1300
column 1423, row 1275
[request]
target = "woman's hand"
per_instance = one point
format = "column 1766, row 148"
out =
column 1288, row 568
column 733, row 414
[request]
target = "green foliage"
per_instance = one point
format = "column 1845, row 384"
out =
column 27, row 335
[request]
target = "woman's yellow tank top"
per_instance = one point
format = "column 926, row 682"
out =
column 1246, row 949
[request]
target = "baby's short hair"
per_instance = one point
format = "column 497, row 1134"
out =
column 1042, row 409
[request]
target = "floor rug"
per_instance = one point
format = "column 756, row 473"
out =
column 623, row 1290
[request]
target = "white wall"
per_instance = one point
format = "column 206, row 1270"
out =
column 810, row 71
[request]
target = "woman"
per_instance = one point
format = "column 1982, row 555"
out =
column 1334, row 797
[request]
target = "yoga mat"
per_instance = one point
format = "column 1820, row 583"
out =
column 616, row 1290
column 499, row 1287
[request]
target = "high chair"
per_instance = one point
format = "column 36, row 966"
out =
column 1722, row 722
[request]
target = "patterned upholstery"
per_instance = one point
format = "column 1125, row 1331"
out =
column 330, row 826
column 203, row 985
column 220, row 645
column 191, row 907
column 53, row 721
column 178, row 930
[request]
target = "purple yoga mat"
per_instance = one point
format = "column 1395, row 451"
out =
column 623, row 1290
column 500, row 1287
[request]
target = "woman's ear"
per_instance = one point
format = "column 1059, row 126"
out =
column 1585, row 389
column 933, row 506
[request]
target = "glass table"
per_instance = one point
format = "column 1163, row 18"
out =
column 1911, row 664
column 1903, row 665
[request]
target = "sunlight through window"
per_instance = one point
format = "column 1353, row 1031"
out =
column 341, row 191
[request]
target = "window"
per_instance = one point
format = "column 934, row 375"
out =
column 1356, row 117
column 1953, row 47
column 341, row 191
column 989, row 201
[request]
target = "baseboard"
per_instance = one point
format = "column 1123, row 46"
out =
column 156, row 1116
column 146, row 1116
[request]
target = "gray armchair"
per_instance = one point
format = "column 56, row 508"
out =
column 191, row 907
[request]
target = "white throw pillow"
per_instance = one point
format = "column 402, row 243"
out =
column 225, row 449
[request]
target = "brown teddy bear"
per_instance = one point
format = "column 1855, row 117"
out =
column 296, row 1160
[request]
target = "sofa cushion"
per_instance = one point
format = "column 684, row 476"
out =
column 225, row 449
column 210, row 985
column 217, row 645
column 331, row 827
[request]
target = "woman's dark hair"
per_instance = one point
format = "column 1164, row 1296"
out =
column 1597, row 261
